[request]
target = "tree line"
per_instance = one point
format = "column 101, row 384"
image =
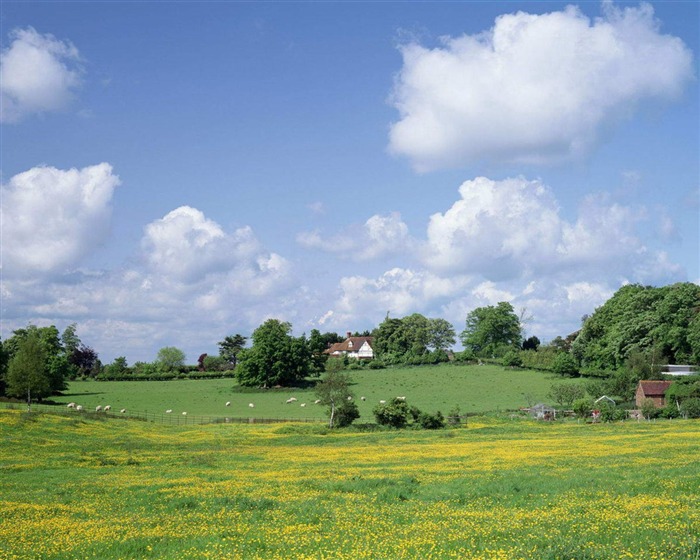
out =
column 631, row 336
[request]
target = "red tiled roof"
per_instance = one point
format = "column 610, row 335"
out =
column 654, row 388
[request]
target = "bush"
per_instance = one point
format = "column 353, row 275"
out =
column 648, row 409
column 431, row 421
column 346, row 414
column 393, row 414
column 611, row 413
column 582, row 407
column 375, row 364
column 464, row 356
column 690, row 408
column 454, row 416
column 670, row 411
column 565, row 364
column 512, row 359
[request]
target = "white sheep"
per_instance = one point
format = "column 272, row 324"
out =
column 349, row 398
column 123, row 410
column 290, row 400
column 317, row 401
column 98, row 408
column 107, row 408
column 382, row 402
column 400, row 398
column 79, row 407
column 184, row 414
column 228, row 403
column 251, row 405
column 169, row 411
column 302, row 404
column 71, row 405
column 363, row 399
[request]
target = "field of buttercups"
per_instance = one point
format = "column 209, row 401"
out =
column 77, row 488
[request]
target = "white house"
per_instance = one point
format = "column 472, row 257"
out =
column 359, row 347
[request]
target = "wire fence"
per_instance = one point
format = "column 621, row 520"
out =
column 157, row 417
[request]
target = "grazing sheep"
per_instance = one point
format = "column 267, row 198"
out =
column 400, row 398
column 169, row 411
column 291, row 400
column 228, row 403
column 317, row 401
column 123, row 410
column 107, row 408
column 303, row 404
column 382, row 402
column 349, row 398
column 79, row 407
column 363, row 399
column 184, row 414
column 98, row 408
column 71, row 405
column 251, row 405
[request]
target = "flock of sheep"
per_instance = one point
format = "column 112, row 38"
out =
column 98, row 408
column 291, row 400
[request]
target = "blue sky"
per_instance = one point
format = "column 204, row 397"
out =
column 174, row 172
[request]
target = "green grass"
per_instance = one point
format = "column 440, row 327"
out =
column 497, row 489
column 475, row 389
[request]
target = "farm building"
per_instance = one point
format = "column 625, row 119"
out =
column 543, row 412
column 654, row 390
column 359, row 347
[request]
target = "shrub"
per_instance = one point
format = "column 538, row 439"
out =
column 454, row 416
column 512, row 359
column 670, row 411
column 582, row 407
column 564, row 394
column 565, row 364
column 431, row 421
column 393, row 414
column 346, row 414
column 611, row 413
column 648, row 409
column 464, row 356
column 375, row 364
column 690, row 408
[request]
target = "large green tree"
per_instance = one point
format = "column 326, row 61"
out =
column 492, row 330
column 412, row 336
column 642, row 318
column 275, row 358
column 170, row 358
column 27, row 375
column 56, row 362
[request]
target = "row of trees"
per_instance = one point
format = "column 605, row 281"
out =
column 638, row 324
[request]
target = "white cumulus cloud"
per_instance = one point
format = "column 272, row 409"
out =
column 52, row 218
column 38, row 73
column 534, row 88
column 379, row 236
column 186, row 246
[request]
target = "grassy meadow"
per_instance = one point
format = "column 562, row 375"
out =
column 475, row 389
column 81, row 488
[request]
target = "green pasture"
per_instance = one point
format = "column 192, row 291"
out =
column 94, row 488
column 474, row 389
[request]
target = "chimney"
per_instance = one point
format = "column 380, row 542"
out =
column 349, row 334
